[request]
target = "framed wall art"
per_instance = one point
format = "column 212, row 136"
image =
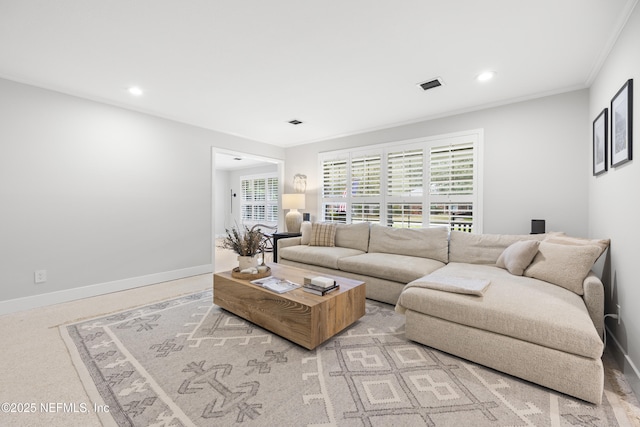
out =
column 621, row 124
column 600, row 142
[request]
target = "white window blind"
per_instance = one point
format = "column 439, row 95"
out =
column 405, row 173
column 259, row 199
column 404, row 215
column 420, row 183
column 334, row 189
column 452, row 185
column 365, row 212
column 272, row 200
column 259, row 190
column 405, row 183
column 334, row 178
column 247, row 190
column 451, row 169
column 365, row 176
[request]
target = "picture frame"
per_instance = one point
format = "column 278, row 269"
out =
column 600, row 142
column 622, row 125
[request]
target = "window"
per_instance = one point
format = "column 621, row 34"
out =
column 432, row 182
column 405, row 183
column 452, row 185
column 259, row 199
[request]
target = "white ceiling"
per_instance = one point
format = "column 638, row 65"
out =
column 247, row 67
column 237, row 161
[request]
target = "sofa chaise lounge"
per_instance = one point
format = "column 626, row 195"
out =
column 534, row 308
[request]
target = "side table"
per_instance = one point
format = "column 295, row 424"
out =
column 278, row 236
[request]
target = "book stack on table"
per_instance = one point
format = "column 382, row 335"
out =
column 319, row 285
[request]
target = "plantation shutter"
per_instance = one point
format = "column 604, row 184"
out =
column 430, row 182
column 365, row 187
column 259, row 190
column 405, row 182
column 365, row 176
column 365, row 212
column 451, row 186
column 334, row 178
column 334, row 190
column 405, row 173
column 404, row 215
column 247, row 190
column 259, row 199
column 272, row 200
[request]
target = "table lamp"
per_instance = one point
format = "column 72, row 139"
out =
column 293, row 219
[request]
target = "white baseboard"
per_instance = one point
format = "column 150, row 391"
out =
column 41, row 300
column 629, row 369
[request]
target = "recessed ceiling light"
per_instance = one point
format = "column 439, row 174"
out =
column 135, row 91
column 485, row 76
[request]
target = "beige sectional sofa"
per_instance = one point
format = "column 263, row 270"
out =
column 526, row 305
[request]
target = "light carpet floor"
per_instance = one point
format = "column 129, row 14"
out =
column 36, row 367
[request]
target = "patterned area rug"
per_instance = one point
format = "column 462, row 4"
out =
column 185, row 362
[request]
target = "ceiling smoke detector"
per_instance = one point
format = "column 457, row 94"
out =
column 431, row 84
column 295, row 122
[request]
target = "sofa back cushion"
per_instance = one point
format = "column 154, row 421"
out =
column 419, row 242
column 563, row 239
column 305, row 230
column 483, row 248
column 563, row 265
column 354, row 236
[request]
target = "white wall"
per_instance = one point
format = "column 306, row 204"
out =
column 614, row 203
column 534, row 161
column 222, row 213
column 97, row 194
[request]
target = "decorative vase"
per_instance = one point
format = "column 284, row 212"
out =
column 245, row 262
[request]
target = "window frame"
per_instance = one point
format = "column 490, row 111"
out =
column 384, row 199
column 267, row 204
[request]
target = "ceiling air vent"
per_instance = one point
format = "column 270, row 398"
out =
column 295, row 122
column 430, row 84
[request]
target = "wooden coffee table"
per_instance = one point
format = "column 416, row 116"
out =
column 299, row 316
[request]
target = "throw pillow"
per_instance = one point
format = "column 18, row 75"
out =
column 563, row 265
column 323, row 234
column 517, row 257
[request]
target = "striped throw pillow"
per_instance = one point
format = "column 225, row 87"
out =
column 323, row 234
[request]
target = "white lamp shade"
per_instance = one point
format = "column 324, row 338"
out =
column 293, row 201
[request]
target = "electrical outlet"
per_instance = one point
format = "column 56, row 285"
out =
column 618, row 305
column 40, row 276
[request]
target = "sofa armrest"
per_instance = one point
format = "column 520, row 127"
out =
column 289, row 241
column 594, row 300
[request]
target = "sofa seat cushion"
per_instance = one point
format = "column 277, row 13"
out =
column 323, row 256
column 516, row 306
column 399, row 268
